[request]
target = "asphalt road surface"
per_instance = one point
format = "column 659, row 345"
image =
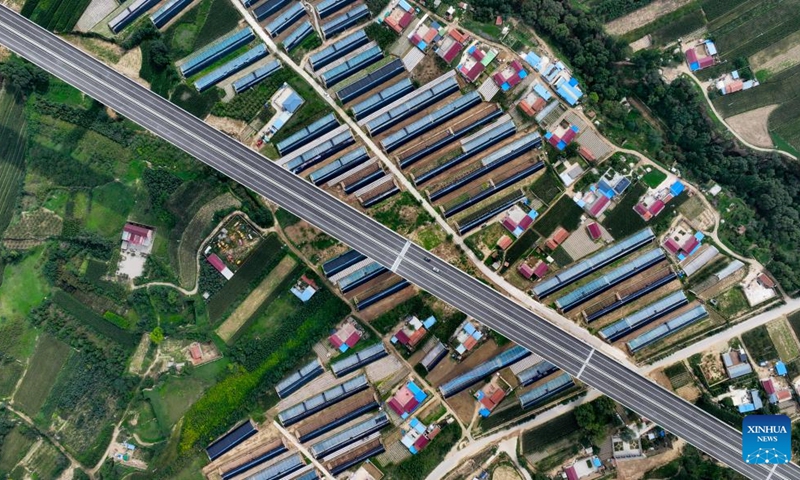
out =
column 381, row 244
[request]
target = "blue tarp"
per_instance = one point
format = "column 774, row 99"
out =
column 780, row 369
column 429, row 322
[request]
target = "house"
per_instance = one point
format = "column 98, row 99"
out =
column 413, row 331
column 516, row 221
column 195, row 352
column 489, row 397
column 400, row 17
column 753, row 404
column 561, row 136
column 476, row 62
column 346, row 337
column 418, row 436
column 540, row 269
column 557, row 238
column 653, row 203
column 780, row 369
column 701, row 56
column 583, row 467
column 765, row 281
column 452, row 44
column 504, row 242
column 498, row 21
column 136, row 235
column 736, row 364
column 218, row 264
column 467, row 336
column 406, row 399
column 510, row 76
column 304, row 289
column 425, row 35
column 525, row 270
column 594, row 230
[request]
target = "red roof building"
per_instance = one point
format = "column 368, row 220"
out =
column 504, row 242
column 540, row 269
column 691, row 56
column 498, row 21
column 509, row 224
column 598, row 206
column 526, row 222
column 571, row 473
column 783, row 395
column 594, row 230
column 452, row 52
column 527, row 108
column 557, row 238
column 525, row 270
column 769, row 387
column 458, row 36
column 706, row 62
column 469, row 343
column 216, row 262
column 137, row 234
column 672, row 246
column 735, row 86
column 656, row 207
column 586, row 154
column 195, row 351
column 765, row 281
column 690, row 245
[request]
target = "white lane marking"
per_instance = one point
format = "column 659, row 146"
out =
column 583, row 367
column 400, row 257
column 771, row 472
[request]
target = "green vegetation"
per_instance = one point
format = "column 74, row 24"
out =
column 565, row 213
column 197, row 27
column 594, row 418
column 59, row 16
column 611, row 9
column 79, row 310
column 23, row 286
column 431, row 237
column 622, row 220
column 49, row 357
column 420, row 465
column 522, row 246
column 548, row 433
column 732, row 302
column 15, row 442
column 759, row 345
column 380, row 34
column 794, row 322
column 312, row 109
column 547, row 187
column 422, row 306
column 266, row 361
column 401, row 213
column 691, row 19
column 654, row 178
column 246, row 105
column 678, row 375
column 257, row 266
column 12, row 154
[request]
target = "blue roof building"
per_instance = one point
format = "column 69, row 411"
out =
column 676, row 188
column 292, row 102
column 780, row 369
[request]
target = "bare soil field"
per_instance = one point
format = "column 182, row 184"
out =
column 505, row 472
column 428, row 69
column 376, row 309
column 130, row 64
column 753, row 126
column 463, row 404
column 449, row 369
column 643, row 16
column 227, row 125
column 778, row 56
column 248, row 307
column 137, row 360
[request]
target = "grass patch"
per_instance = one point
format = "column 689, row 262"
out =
column 678, row 375
column 549, row 433
column 565, row 213
column 48, row 359
column 431, row 237
column 654, row 177
column 622, row 221
column 246, row 105
column 14, row 446
column 759, row 344
column 732, row 302
column 547, row 187
column 171, row 399
column 783, row 340
column 401, row 213
column 197, row 27
column 522, row 246
column 23, row 287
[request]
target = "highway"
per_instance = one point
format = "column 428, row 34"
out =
column 381, row 244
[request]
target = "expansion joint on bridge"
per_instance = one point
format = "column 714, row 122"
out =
column 400, row 257
column 586, row 362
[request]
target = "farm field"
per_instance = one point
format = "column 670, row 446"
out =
column 759, row 344
column 622, row 220
column 48, row 359
column 259, row 263
column 547, row 187
column 565, row 213
column 23, row 286
column 257, row 297
column 12, row 154
column 55, row 15
column 678, row 375
column 549, row 433
column 93, row 320
column 14, row 447
column 782, row 338
column 193, row 30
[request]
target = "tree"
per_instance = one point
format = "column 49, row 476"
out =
column 24, row 76
column 157, row 335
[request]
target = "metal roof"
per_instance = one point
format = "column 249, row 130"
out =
column 382, row 98
column 317, row 128
column 441, row 114
column 371, row 80
column 164, row 14
column 320, row 152
column 234, row 437
column 327, row 7
column 319, row 401
column 352, row 65
column 359, row 359
column 229, row 68
column 522, row 143
column 536, row 372
column 634, row 320
column 216, row 50
column 589, row 290
column 700, row 260
column 299, row 378
column 298, row 35
column 350, row 435
column 268, row 8
column 351, row 159
column 359, row 274
column 285, row 19
column 546, row 390
column 338, row 49
column 279, row 469
column 666, row 329
column 434, row 355
column 420, row 98
column 483, row 370
column 256, row 76
column 337, row 264
column 134, row 11
column 595, row 262
column 344, row 21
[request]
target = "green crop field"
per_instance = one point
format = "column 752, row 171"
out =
column 56, row 15
column 622, row 221
column 48, row 359
column 678, row 375
column 547, row 187
column 549, row 433
column 47, row 462
column 89, row 317
column 23, row 286
column 12, row 154
column 565, row 213
column 111, row 203
column 13, row 448
column 759, row 344
column 654, row 178
column 195, row 28
column 172, row 398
